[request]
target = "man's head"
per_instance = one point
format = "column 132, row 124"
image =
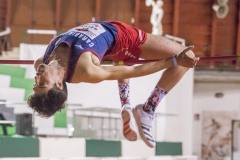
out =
column 50, row 91
column 48, row 103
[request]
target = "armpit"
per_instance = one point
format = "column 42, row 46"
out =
column 95, row 60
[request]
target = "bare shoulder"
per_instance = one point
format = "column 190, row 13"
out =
column 37, row 62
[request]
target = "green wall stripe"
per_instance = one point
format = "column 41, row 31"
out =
column 18, row 79
column 102, row 148
column 19, row 147
column 60, row 119
column 25, row 83
column 27, row 93
column 13, row 71
column 11, row 130
column 29, row 147
column 168, row 148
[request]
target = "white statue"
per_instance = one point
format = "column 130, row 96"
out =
column 156, row 16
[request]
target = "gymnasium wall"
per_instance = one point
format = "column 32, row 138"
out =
column 80, row 147
column 226, row 106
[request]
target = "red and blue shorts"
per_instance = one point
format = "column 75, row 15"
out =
column 128, row 41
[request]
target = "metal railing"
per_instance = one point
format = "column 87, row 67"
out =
column 4, row 39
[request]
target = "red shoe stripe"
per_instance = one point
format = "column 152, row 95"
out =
column 126, row 127
column 126, row 132
column 127, row 122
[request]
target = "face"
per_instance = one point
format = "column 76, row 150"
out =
column 44, row 79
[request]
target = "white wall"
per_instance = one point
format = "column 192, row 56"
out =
column 204, row 100
column 5, row 81
column 178, row 101
column 12, row 94
column 136, row 149
column 105, row 94
column 62, row 147
column 31, row 52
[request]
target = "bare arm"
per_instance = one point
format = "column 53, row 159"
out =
column 97, row 74
column 125, row 72
column 118, row 72
column 87, row 71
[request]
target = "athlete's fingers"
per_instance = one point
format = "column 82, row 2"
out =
column 186, row 49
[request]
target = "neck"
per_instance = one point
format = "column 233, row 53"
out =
column 59, row 60
column 59, row 67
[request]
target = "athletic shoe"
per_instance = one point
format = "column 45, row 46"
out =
column 128, row 127
column 144, row 122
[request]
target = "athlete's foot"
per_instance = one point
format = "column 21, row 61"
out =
column 144, row 123
column 128, row 127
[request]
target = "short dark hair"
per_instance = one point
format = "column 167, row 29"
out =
column 47, row 104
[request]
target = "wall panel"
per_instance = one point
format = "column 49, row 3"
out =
column 44, row 14
column 193, row 20
column 21, row 13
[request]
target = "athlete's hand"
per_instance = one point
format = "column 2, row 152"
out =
column 186, row 58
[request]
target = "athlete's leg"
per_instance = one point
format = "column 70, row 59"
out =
column 124, row 91
column 162, row 48
column 127, row 119
column 158, row 47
